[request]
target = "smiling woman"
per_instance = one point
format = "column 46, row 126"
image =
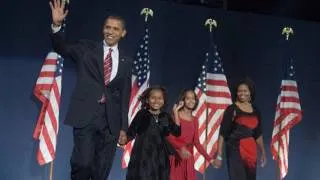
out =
column 241, row 131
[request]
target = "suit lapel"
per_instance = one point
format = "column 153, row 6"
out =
column 121, row 62
column 121, row 68
column 99, row 60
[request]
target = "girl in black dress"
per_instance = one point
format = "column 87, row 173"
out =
column 241, row 132
column 150, row 154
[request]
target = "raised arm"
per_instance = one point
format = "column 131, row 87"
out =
column 59, row 13
column 175, row 111
column 174, row 126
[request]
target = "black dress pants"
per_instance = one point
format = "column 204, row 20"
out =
column 94, row 149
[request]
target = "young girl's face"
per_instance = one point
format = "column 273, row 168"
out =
column 156, row 100
column 190, row 100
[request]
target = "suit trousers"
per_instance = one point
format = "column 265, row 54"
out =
column 94, row 149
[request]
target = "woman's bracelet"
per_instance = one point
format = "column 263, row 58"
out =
column 219, row 157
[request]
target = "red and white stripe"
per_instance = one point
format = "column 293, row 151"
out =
column 48, row 90
column 288, row 114
column 212, row 103
column 134, row 107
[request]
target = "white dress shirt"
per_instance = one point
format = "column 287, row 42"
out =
column 114, row 57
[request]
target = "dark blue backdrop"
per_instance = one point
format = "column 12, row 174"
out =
column 250, row 45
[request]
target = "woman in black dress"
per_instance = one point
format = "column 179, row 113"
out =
column 150, row 154
column 241, row 132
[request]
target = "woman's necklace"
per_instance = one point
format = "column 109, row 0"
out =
column 246, row 107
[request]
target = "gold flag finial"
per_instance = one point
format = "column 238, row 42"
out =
column 287, row 31
column 210, row 22
column 146, row 12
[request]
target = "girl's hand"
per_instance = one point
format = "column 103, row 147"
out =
column 177, row 107
column 184, row 153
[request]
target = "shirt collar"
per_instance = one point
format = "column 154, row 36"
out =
column 106, row 47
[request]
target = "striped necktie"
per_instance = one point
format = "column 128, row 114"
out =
column 107, row 65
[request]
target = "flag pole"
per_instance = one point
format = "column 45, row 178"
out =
column 278, row 156
column 286, row 31
column 210, row 23
column 126, row 154
column 206, row 138
column 65, row 2
column 51, row 170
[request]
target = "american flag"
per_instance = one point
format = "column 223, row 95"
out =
column 288, row 114
column 214, row 97
column 139, row 83
column 48, row 91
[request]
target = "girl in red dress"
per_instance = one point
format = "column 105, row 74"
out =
column 182, row 163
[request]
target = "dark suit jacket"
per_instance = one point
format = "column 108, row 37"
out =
column 89, row 88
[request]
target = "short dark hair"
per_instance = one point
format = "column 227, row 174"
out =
column 146, row 94
column 119, row 18
column 248, row 82
column 183, row 94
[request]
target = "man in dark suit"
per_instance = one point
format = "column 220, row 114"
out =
column 99, row 104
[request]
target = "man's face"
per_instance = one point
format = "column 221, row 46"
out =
column 113, row 31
